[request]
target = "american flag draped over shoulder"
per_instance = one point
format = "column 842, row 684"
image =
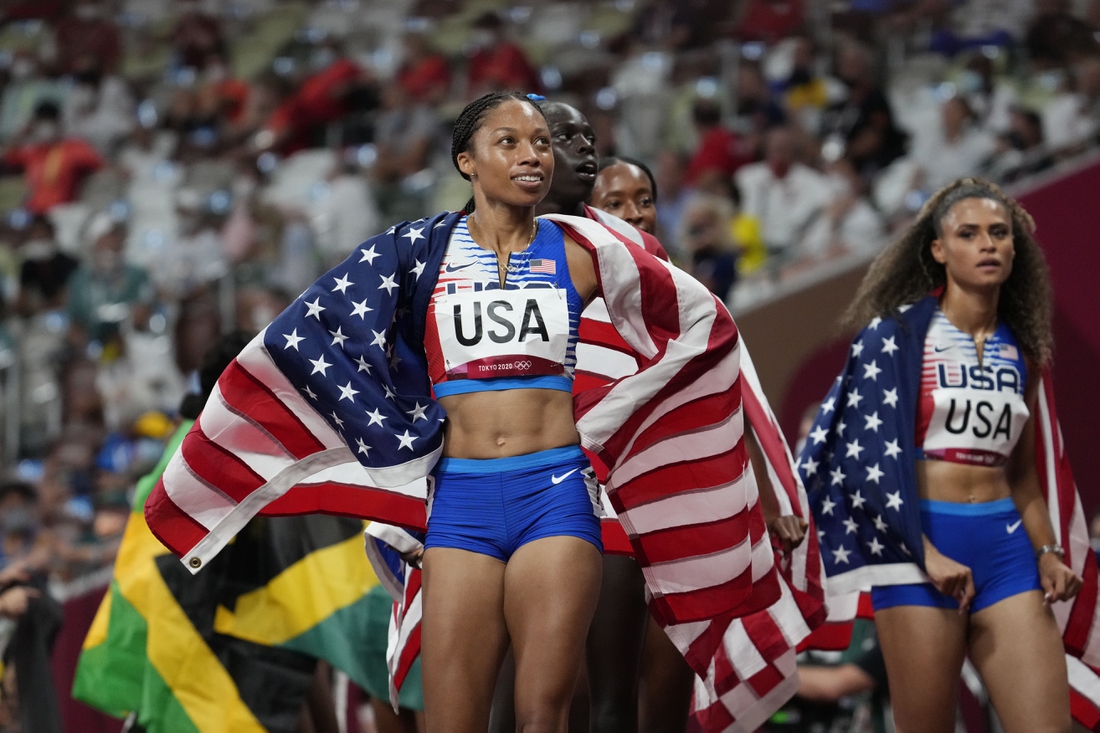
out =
column 329, row 410
column 859, row 466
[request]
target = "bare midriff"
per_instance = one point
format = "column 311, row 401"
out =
column 961, row 484
column 508, row 423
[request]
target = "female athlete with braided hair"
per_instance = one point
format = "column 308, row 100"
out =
column 980, row 342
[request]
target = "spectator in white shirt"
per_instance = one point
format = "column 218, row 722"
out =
column 850, row 223
column 1070, row 119
column 783, row 194
column 957, row 148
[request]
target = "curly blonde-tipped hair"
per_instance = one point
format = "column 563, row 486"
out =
column 906, row 271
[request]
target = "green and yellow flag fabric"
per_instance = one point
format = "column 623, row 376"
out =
column 233, row 648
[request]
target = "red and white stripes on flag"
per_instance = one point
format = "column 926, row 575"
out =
column 753, row 672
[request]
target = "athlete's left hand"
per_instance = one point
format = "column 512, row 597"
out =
column 789, row 530
column 1059, row 582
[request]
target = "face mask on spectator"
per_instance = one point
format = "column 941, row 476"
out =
column 970, row 82
column 17, row 521
column 322, row 58
column 106, row 261
column 39, row 249
column 88, row 12
column 22, row 69
column 46, row 132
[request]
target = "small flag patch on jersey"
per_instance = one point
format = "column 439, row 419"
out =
column 1008, row 351
column 544, row 267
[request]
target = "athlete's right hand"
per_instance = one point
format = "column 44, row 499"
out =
column 789, row 530
column 949, row 577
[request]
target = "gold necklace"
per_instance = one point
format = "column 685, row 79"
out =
column 534, row 231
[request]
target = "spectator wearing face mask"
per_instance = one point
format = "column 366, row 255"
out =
column 87, row 31
column 104, row 291
column 53, row 166
column 45, row 270
column 954, row 149
column 1021, row 151
column 849, row 223
column 990, row 97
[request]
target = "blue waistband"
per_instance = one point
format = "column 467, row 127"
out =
column 501, row 384
column 483, row 466
column 968, row 510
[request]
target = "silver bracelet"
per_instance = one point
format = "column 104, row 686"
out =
column 1055, row 549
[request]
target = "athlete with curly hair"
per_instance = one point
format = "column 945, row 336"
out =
column 962, row 298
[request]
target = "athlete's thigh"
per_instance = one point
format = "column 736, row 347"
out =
column 924, row 649
column 1018, row 651
column 464, row 638
column 550, row 593
column 613, row 651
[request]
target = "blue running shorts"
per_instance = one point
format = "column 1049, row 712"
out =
column 495, row 506
column 988, row 538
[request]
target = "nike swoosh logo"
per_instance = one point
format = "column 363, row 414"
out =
column 453, row 268
column 1013, row 527
column 937, row 349
column 558, row 479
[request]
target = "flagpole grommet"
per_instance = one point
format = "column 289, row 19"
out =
column 195, row 563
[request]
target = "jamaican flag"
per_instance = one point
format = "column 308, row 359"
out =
column 234, row 647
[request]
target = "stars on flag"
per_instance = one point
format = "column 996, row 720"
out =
column 809, row 466
column 873, row 421
column 342, row 284
column 418, row 270
column 312, row 395
column 854, row 398
column 857, row 499
column 369, row 255
column 389, row 284
column 892, row 449
column 406, row 440
column 379, row 339
column 338, row 337
column 315, row 308
column 376, row 417
column 876, row 547
column 857, row 349
column 320, row 365
column 840, row 555
column 894, row 500
column 880, row 524
column 827, row 506
column 362, row 447
column 874, row 473
column 389, row 393
column 889, row 346
column 853, row 449
column 890, row 397
column 336, row 419
column 829, row 405
column 871, row 371
column 819, row 435
column 417, row 413
column 347, row 392
column 851, row 526
column 293, row 339
column 837, row 476
column 414, row 234
column 361, row 309
column 363, row 365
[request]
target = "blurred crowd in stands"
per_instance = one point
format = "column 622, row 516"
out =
column 171, row 170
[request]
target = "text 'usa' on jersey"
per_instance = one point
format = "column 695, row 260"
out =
column 485, row 324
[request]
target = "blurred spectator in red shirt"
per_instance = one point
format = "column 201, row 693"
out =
column 87, row 30
column 498, row 63
column 424, row 73
column 220, row 95
column 720, row 152
column 196, row 34
column 321, row 99
column 770, row 20
column 53, row 166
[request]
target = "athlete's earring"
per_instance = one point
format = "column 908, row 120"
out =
column 473, row 176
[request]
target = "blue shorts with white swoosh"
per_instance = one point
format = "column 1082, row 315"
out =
column 989, row 538
column 495, row 506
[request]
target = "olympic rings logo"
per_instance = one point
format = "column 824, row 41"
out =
column 523, row 365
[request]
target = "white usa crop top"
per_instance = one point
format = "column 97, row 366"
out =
column 482, row 337
column 969, row 411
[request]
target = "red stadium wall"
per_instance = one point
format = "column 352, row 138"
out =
column 798, row 349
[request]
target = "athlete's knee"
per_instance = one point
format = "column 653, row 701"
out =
column 617, row 716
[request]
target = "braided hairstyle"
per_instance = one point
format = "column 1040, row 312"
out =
column 906, row 271
column 615, row 160
column 469, row 122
